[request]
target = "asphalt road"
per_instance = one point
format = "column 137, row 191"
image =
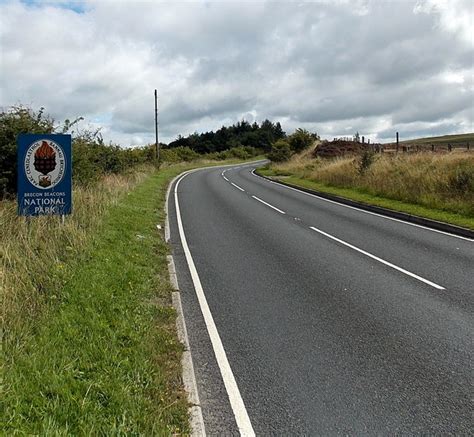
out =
column 333, row 320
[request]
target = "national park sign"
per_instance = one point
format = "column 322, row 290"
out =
column 44, row 174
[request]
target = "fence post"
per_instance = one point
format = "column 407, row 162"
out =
column 432, row 147
column 450, row 147
column 467, row 145
column 397, row 142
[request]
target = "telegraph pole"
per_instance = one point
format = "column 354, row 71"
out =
column 157, row 144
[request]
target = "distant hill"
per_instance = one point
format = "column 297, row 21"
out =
column 445, row 139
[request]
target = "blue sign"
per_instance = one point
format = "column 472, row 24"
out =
column 44, row 174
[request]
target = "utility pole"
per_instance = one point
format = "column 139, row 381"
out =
column 157, row 144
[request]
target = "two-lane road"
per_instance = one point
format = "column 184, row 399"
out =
column 331, row 320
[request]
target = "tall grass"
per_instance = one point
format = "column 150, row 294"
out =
column 439, row 181
column 91, row 347
column 37, row 255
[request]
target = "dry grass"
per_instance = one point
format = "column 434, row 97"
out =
column 36, row 254
column 439, row 181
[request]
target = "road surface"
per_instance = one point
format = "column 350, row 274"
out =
column 321, row 319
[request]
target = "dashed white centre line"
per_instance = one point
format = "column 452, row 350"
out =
column 236, row 186
column 393, row 266
column 271, row 206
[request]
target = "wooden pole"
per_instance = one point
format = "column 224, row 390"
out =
column 157, row 145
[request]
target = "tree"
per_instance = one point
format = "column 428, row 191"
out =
column 301, row 139
column 242, row 133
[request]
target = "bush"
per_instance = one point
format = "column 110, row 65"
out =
column 177, row 154
column 301, row 139
column 365, row 161
column 280, row 151
column 14, row 121
column 91, row 157
column 186, row 154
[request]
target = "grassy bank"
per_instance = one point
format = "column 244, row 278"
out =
column 454, row 140
column 89, row 336
column 440, row 187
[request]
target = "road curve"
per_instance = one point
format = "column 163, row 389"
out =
column 332, row 320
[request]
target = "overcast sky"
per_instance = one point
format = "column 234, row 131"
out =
column 331, row 67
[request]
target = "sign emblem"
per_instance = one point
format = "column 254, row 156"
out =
column 44, row 174
column 44, row 164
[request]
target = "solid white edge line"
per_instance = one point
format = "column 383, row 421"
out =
column 236, row 186
column 225, row 178
column 393, row 266
column 363, row 210
column 240, row 412
column 271, row 206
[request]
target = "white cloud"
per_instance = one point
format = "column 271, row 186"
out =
column 333, row 67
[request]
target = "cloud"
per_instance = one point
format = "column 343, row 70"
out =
column 334, row 67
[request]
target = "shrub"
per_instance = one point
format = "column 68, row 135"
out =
column 301, row 139
column 365, row 161
column 186, row 154
column 280, row 152
column 14, row 121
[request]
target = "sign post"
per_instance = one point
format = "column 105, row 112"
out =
column 44, row 174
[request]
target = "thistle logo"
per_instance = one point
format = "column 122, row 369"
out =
column 45, row 164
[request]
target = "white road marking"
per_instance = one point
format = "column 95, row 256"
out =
column 225, row 178
column 271, row 206
column 236, row 186
column 363, row 210
column 393, row 266
column 240, row 412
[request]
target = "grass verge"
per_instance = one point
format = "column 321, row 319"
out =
column 93, row 348
column 362, row 196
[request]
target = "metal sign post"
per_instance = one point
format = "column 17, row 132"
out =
column 44, row 174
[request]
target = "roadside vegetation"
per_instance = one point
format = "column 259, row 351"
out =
column 89, row 341
column 435, row 185
column 88, row 330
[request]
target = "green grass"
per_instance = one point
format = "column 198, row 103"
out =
column 102, row 356
column 369, row 199
column 106, row 359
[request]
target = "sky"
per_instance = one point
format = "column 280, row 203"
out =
column 332, row 67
